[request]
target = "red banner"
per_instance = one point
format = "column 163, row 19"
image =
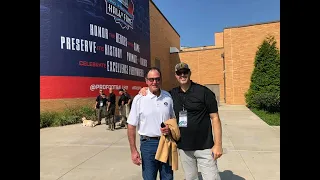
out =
column 59, row 87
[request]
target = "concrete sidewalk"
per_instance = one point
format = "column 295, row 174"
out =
column 81, row 153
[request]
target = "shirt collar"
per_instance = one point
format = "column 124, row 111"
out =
column 190, row 88
column 151, row 95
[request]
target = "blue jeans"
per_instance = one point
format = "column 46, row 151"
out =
column 151, row 166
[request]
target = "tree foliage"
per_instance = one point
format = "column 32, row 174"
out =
column 264, row 91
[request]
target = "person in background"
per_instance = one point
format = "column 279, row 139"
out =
column 123, row 100
column 196, row 109
column 101, row 106
column 128, row 105
column 146, row 116
column 111, row 108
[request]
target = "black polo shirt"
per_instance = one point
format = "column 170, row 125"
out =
column 104, row 101
column 112, row 99
column 124, row 98
column 199, row 101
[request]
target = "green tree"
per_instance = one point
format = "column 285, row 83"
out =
column 264, row 91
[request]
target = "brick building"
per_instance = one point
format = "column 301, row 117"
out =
column 233, row 52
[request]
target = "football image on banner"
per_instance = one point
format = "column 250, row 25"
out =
column 87, row 45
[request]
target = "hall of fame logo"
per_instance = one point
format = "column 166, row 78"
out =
column 122, row 11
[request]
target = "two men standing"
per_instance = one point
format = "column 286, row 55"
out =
column 196, row 111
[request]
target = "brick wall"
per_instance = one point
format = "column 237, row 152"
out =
column 206, row 67
column 61, row 104
column 240, row 46
column 162, row 37
column 218, row 37
column 174, row 59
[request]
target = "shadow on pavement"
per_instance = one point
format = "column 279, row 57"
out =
column 225, row 175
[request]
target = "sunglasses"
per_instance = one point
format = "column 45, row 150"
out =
column 154, row 79
column 183, row 71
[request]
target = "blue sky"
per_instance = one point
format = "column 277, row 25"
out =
column 197, row 20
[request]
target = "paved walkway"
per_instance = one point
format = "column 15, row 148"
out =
column 80, row 153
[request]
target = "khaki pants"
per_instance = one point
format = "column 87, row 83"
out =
column 101, row 112
column 123, row 113
column 110, row 117
column 127, row 110
column 122, row 110
column 202, row 159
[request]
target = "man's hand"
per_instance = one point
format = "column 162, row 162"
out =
column 216, row 152
column 217, row 132
column 165, row 130
column 143, row 91
column 135, row 156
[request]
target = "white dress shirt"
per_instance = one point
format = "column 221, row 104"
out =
column 148, row 112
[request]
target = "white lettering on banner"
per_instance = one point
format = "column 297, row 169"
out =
column 105, row 86
column 136, row 88
column 75, row 44
column 99, row 31
column 127, row 19
column 124, row 69
column 121, row 39
column 132, row 58
column 115, row 11
column 113, row 51
column 143, row 62
column 136, row 47
column 136, row 71
column 117, row 67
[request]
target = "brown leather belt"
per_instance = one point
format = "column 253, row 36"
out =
column 147, row 137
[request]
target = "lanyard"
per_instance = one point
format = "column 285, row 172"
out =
column 182, row 97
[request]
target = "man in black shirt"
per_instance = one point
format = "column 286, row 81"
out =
column 196, row 110
column 111, row 108
column 122, row 102
column 101, row 106
column 128, row 105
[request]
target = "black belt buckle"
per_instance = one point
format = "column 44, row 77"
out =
column 148, row 138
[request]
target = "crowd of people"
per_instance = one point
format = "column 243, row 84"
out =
column 105, row 107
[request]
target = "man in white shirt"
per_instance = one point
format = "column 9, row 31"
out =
column 146, row 115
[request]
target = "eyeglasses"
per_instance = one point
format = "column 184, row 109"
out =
column 183, row 71
column 154, row 79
